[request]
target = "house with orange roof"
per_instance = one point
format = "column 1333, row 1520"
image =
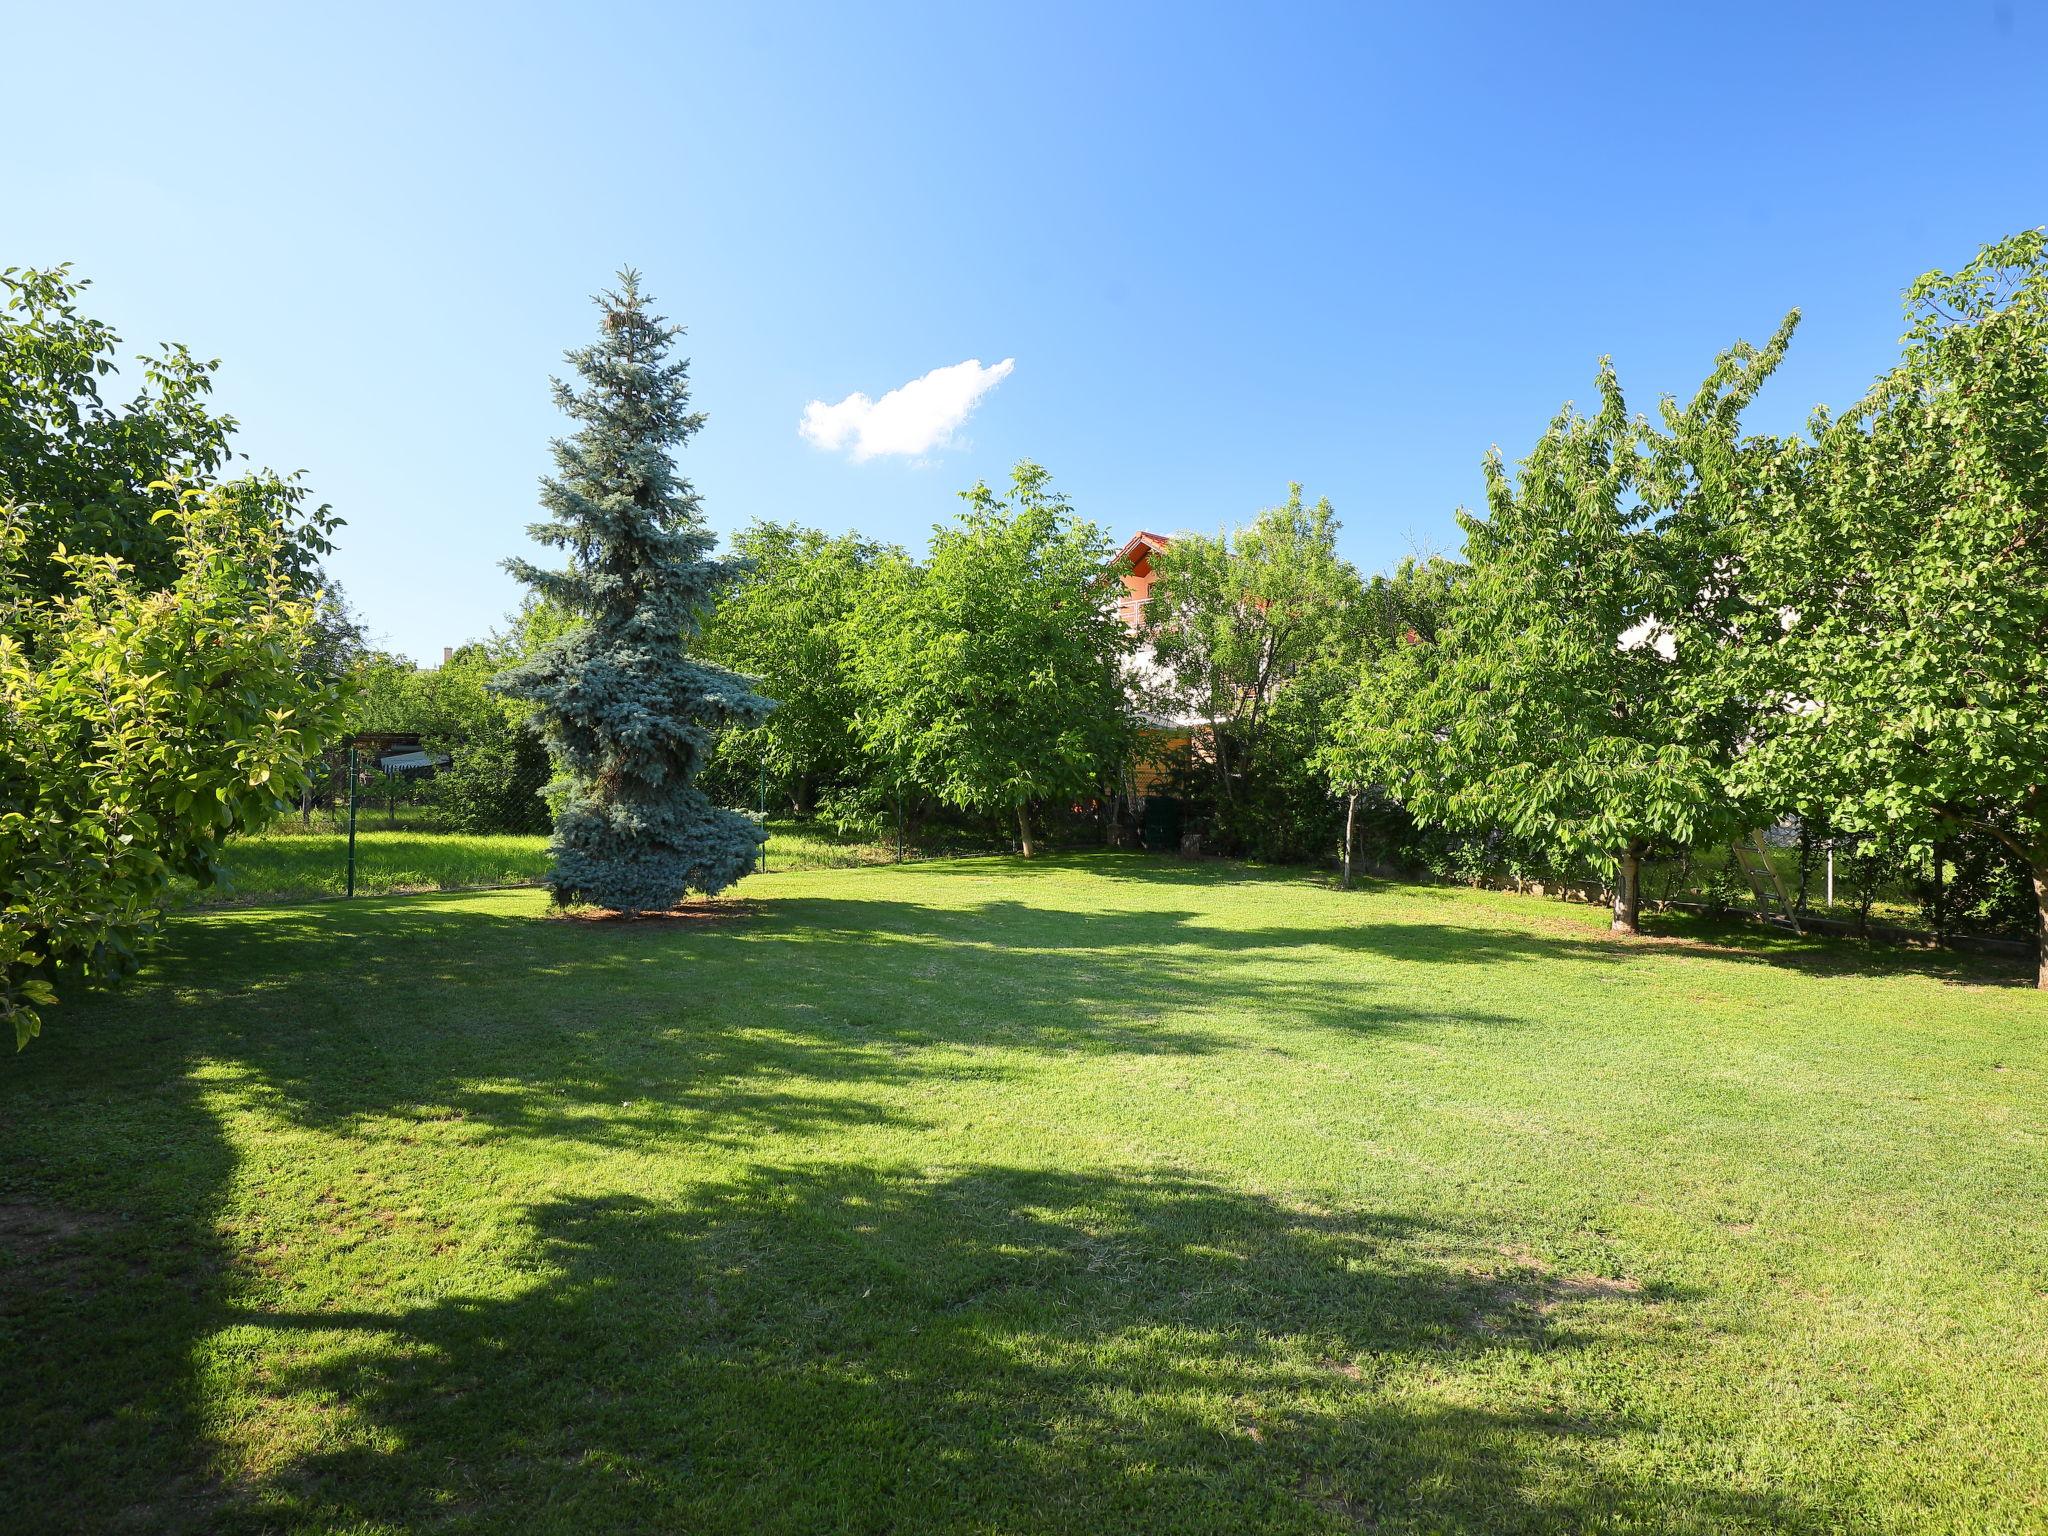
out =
column 1166, row 733
column 1136, row 558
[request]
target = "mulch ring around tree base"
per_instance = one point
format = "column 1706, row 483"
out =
column 689, row 912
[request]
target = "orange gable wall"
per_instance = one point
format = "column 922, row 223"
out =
column 1138, row 579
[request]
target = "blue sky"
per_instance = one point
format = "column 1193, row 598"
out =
column 1226, row 248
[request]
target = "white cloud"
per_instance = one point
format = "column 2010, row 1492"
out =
column 911, row 420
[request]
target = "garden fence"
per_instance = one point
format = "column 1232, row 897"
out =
column 400, row 811
column 404, row 811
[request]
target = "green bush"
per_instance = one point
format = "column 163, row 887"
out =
column 139, row 729
column 497, row 766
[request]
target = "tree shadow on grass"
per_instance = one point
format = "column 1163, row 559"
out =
column 388, row 1019
column 1128, row 866
column 1110, row 1390
column 801, row 1018
column 1831, row 955
column 112, row 1266
column 1145, row 933
column 1723, row 937
column 989, row 1348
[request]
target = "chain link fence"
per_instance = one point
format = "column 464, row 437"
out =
column 392, row 812
column 395, row 811
column 1965, row 889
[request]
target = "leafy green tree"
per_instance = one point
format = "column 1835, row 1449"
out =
column 628, row 714
column 1256, row 632
column 90, row 476
column 341, row 641
column 1908, row 556
column 992, row 676
column 498, row 766
column 1364, row 743
column 141, row 726
column 1410, row 606
column 784, row 624
column 534, row 625
column 1580, row 695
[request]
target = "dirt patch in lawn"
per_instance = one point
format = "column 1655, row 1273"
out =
column 45, row 1249
column 1528, row 1286
column 1582, row 1287
column 28, row 1229
column 687, row 915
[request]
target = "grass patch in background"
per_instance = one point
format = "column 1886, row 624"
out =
column 295, row 865
column 1103, row 1193
column 292, row 863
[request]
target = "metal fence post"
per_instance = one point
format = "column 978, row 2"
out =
column 351, row 889
column 761, row 853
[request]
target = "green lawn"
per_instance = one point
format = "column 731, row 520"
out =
column 292, row 863
column 1100, row 1194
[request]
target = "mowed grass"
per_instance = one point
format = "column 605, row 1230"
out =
column 292, row 863
column 1094, row 1194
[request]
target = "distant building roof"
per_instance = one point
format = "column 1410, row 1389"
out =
column 1142, row 541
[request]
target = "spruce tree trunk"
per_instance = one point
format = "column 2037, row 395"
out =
column 1628, row 890
column 1024, row 828
column 1350, row 816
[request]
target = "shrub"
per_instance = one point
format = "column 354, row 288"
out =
column 138, row 730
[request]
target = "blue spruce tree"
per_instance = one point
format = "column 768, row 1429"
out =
column 628, row 714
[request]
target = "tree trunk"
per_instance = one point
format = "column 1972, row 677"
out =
column 1940, row 894
column 2041, row 934
column 1350, row 816
column 1628, row 890
column 1024, row 828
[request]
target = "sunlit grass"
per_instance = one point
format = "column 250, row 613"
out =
column 1090, row 1194
column 294, row 863
column 307, row 865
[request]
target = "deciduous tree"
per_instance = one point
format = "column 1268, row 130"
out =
column 1580, row 696
column 1908, row 556
column 784, row 623
column 498, row 767
column 1257, row 630
column 90, row 475
column 141, row 725
column 991, row 676
column 1367, row 742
